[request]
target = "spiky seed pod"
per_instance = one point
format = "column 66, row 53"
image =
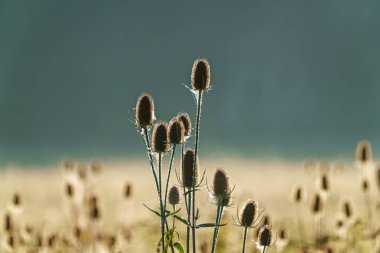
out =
column 298, row 194
column 188, row 166
column 95, row 212
column 16, row 200
column 365, row 185
column 8, row 224
column 200, row 75
column 184, row 117
column 160, row 138
column 266, row 236
column 144, row 111
column 364, row 152
column 324, row 182
column 221, row 186
column 347, row 209
column 317, row 204
column 127, row 190
column 249, row 213
column 176, row 131
column 69, row 190
column 174, row 196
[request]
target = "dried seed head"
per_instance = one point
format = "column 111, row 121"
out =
column 11, row 241
column 200, row 75
column 282, row 233
column 69, row 190
column 174, row 196
column 95, row 212
column 144, row 111
column 160, row 140
column 52, row 240
column 298, row 194
column 339, row 223
column 221, row 186
column 364, row 152
column 127, row 190
column 365, row 185
column 266, row 236
column 324, row 182
column 347, row 209
column 317, row 204
column 8, row 224
column 249, row 213
column 184, row 117
column 77, row 232
column 16, row 200
column 176, row 131
column 187, row 168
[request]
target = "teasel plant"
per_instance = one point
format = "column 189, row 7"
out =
column 220, row 194
column 266, row 238
column 364, row 158
column 248, row 218
column 174, row 200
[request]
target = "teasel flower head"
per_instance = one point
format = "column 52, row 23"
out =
column 266, row 237
column 188, row 169
column 69, row 190
column 94, row 209
column 249, row 215
column 8, row 223
column 160, row 138
column 364, row 153
column 200, row 75
column 347, row 209
column 174, row 196
column 128, row 190
column 221, row 187
column 176, row 131
column 365, row 185
column 184, row 117
column 317, row 204
column 16, row 200
column 145, row 111
column 324, row 184
column 298, row 194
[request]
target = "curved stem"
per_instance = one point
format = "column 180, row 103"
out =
column 161, row 204
column 147, row 144
column 167, row 179
column 198, row 117
column 244, row 238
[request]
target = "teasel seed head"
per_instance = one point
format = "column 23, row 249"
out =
column 69, row 190
column 266, row 236
column 298, row 194
column 339, row 223
column 324, row 182
column 11, row 241
column 365, row 185
column 8, row 223
column 249, row 213
column 144, row 111
column 187, row 168
column 51, row 240
column 16, row 200
column 128, row 190
column 200, row 75
column 221, row 186
column 176, row 131
column 160, row 138
column 364, row 152
column 317, row 204
column 184, row 117
column 174, row 196
column 282, row 233
column 94, row 208
column 77, row 232
column 347, row 209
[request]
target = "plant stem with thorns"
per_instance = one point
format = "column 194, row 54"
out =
column 244, row 238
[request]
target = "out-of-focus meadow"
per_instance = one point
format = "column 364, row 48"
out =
column 44, row 220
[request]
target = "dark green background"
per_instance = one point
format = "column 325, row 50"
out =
column 292, row 79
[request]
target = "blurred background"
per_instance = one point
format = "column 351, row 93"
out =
column 291, row 79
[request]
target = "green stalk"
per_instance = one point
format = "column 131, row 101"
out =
column 219, row 210
column 167, row 179
column 198, row 117
column 188, row 228
column 173, row 217
column 147, row 144
column 264, row 248
column 244, row 238
column 161, row 204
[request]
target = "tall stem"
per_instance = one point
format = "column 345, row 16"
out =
column 183, row 186
column 219, row 212
column 188, row 228
column 264, row 248
column 161, row 204
column 167, row 179
column 198, row 116
column 147, row 144
column 244, row 238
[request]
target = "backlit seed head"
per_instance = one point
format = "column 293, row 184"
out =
column 69, row 190
column 160, row 138
column 364, row 152
column 127, row 190
column 16, row 200
column 200, row 75
column 187, row 168
column 365, row 185
column 221, row 186
column 94, row 209
column 8, row 224
column 339, row 223
column 266, row 236
column 184, row 117
column 249, row 213
column 174, row 196
column 317, row 204
column 347, row 209
column 144, row 111
column 298, row 194
column 176, row 131
column 324, row 183
column 282, row 233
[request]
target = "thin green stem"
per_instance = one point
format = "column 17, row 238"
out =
column 188, row 228
column 168, row 178
column 264, row 248
column 244, row 238
column 183, row 186
column 219, row 210
column 173, row 217
column 147, row 144
column 198, row 117
column 161, row 204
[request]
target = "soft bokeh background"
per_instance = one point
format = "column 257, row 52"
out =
column 292, row 79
